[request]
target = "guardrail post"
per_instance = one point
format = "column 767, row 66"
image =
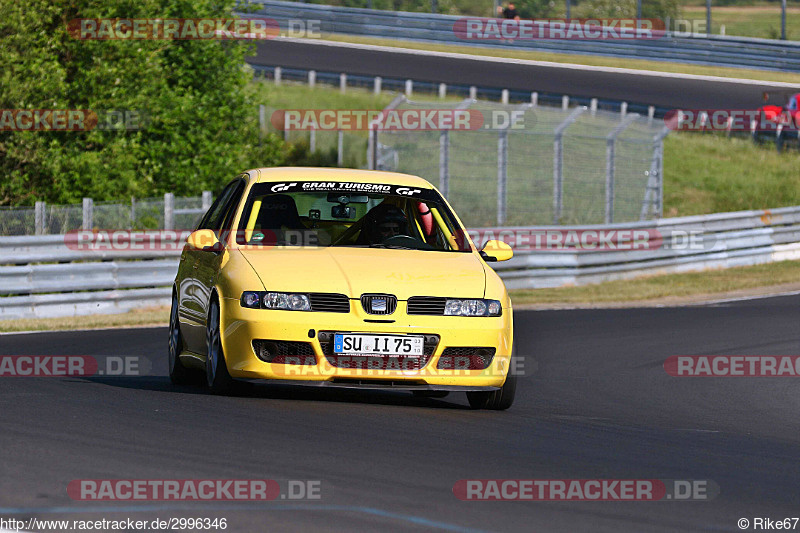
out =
column 169, row 211
column 444, row 163
column 610, row 161
column 377, row 87
column 278, row 73
column 343, row 82
column 558, row 162
column 312, row 78
column 88, row 214
column 339, row 148
column 38, row 218
column 564, row 102
column 442, row 90
column 534, row 98
column 502, row 175
column 206, row 199
column 409, row 88
column 504, row 96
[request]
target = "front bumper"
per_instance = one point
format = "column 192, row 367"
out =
column 241, row 326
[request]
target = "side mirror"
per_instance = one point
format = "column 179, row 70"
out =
column 496, row 251
column 204, row 240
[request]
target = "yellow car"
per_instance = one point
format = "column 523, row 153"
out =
column 344, row 278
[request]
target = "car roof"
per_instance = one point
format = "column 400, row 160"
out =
column 269, row 175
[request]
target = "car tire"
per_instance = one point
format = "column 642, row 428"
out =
column 217, row 376
column 498, row 400
column 178, row 374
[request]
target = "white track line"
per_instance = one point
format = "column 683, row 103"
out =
column 570, row 66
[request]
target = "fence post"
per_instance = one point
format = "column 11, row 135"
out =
column 473, row 92
column 312, row 78
column 206, row 200
column 278, row 73
column 312, row 140
column 502, row 175
column 593, row 106
column 343, row 83
column 504, row 96
column 444, row 163
column 38, row 218
column 169, row 211
column 558, row 162
column 378, row 81
column 88, row 214
column 564, row 102
column 339, row 148
column 623, row 109
column 611, row 139
column 133, row 212
column 409, row 88
column 442, row 90
column 372, row 147
column 534, row 99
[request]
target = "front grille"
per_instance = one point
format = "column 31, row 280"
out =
column 285, row 352
column 466, row 358
column 372, row 303
column 330, row 303
column 378, row 362
column 426, row 305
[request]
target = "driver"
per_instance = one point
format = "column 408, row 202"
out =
column 383, row 222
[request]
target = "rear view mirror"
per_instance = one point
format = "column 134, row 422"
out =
column 205, row 240
column 345, row 198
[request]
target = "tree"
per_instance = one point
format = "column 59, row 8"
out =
column 201, row 126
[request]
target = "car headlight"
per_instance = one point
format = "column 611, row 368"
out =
column 288, row 301
column 455, row 307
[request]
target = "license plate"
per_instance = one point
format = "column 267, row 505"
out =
column 363, row 343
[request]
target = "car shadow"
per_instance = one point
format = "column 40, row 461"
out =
column 283, row 392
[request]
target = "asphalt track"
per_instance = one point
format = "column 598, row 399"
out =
column 595, row 403
column 662, row 91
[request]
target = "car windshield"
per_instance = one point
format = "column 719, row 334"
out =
column 349, row 214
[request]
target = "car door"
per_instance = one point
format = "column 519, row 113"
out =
column 193, row 292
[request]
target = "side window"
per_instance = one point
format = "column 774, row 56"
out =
column 231, row 208
column 213, row 218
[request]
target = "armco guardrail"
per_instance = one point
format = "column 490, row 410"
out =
column 45, row 276
column 702, row 49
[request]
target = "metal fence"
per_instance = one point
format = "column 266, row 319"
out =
column 168, row 212
column 89, row 282
column 703, row 49
column 563, row 166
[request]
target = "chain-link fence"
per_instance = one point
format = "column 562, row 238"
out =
column 544, row 165
column 167, row 212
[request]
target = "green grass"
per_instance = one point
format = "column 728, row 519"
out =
column 695, row 286
column 749, row 21
column 711, row 174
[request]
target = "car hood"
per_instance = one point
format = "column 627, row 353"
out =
column 355, row 271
